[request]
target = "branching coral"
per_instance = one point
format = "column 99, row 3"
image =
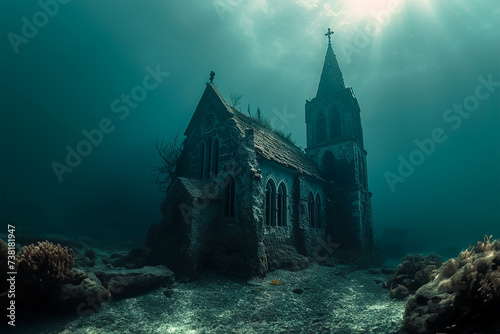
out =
column 45, row 266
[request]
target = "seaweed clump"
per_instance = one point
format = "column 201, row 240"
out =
column 463, row 298
column 45, row 267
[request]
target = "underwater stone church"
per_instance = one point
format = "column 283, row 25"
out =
column 247, row 200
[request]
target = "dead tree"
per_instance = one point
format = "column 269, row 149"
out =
column 169, row 152
column 235, row 99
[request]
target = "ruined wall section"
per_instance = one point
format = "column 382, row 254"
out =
column 280, row 242
column 233, row 244
column 352, row 200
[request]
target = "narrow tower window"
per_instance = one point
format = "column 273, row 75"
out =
column 336, row 125
column 321, row 127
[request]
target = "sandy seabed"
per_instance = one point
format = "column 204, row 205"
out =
column 319, row 299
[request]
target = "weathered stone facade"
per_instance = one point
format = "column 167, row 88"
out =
column 247, row 200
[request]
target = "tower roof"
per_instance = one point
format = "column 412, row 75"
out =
column 331, row 76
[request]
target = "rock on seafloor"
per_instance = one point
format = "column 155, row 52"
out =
column 130, row 282
column 463, row 298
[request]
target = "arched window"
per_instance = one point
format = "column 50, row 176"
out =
column 336, row 126
column 310, row 209
column 317, row 212
column 270, row 203
column 328, row 165
column 282, row 205
column 208, row 156
column 214, row 169
column 202, row 161
column 229, row 197
column 321, row 127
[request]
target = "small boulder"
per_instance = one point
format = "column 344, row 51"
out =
column 400, row 292
column 88, row 259
column 168, row 292
column 414, row 271
column 74, row 297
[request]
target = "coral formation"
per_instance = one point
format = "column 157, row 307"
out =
column 414, row 271
column 45, row 267
column 463, row 298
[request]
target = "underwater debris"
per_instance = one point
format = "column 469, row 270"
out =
column 275, row 282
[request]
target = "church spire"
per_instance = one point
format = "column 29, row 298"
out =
column 331, row 77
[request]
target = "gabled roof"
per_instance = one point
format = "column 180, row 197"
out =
column 211, row 99
column 272, row 147
column 268, row 144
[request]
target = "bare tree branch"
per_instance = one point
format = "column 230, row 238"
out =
column 235, row 99
column 169, row 152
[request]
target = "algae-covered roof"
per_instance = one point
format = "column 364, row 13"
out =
column 272, row 147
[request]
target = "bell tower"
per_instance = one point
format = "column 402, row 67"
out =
column 335, row 142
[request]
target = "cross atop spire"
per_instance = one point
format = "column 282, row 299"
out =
column 329, row 34
column 331, row 76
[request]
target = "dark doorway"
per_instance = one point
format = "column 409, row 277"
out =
column 328, row 165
